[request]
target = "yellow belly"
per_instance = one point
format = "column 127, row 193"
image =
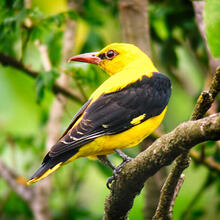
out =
column 106, row 144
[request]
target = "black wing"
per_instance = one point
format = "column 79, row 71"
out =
column 75, row 118
column 112, row 113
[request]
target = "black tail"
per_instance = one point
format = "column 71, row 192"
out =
column 50, row 164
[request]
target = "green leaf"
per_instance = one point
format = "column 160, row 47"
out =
column 72, row 14
column 35, row 33
column 45, row 80
column 40, row 89
column 18, row 4
column 212, row 26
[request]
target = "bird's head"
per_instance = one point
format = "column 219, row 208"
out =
column 114, row 57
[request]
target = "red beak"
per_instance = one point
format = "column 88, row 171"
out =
column 86, row 58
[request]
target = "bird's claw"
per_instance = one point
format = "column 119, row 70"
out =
column 112, row 178
column 109, row 182
column 116, row 172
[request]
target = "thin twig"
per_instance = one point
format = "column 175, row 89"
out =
column 80, row 87
column 7, row 60
column 207, row 161
column 171, row 186
column 179, row 184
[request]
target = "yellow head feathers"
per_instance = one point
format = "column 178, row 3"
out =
column 115, row 57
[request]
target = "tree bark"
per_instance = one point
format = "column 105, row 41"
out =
column 204, row 102
column 135, row 27
column 161, row 153
column 133, row 15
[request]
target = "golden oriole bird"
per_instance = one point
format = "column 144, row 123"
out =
column 123, row 111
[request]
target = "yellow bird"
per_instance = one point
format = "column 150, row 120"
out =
column 123, row 111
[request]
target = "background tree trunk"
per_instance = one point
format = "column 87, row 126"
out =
column 136, row 29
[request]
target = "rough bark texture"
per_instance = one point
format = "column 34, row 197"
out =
column 152, row 192
column 161, row 153
column 167, row 196
column 204, row 102
column 152, row 186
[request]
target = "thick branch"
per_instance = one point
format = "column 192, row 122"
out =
column 198, row 157
column 6, row 60
column 161, row 153
column 204, row 102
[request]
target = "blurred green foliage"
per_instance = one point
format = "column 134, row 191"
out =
column 178, row 51
column 212, row 23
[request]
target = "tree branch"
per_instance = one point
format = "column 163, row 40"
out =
column 198, row 157
column 207, row 161
column 161, row 153
column 204, row 102
column 207, row 97
column 37, row 196
column 7, row 60
column 178, row 186
column 167, row 196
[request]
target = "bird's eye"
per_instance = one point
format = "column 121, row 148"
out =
column 110, row 54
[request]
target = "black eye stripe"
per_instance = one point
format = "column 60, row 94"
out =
column 102, row 56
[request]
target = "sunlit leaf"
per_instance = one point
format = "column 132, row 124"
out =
column 72, row 14
column 39, row 89
column 212, row 25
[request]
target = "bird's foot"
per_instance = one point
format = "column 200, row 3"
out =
column 124, row 156
column 110, row 180
column 117, row 169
